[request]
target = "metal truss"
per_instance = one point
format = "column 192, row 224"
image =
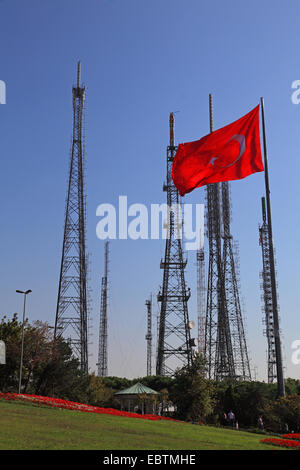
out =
column 174, row 342
column 102, row 352
column 267, row 297
column 225, row 343
column 72, row 311
column 148, row 336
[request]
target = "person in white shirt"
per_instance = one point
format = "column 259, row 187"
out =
column 231, row 418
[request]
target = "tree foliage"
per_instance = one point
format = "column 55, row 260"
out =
column 48, row 366
column 245, row 399
column 98, row 394
column 283, row 414
column 117, row 383
column 192, row 393
column 37, row 347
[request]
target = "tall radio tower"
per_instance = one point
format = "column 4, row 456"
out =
column 218, row 347
column 174, row 341
column 201, row 295
column 238, row 337
column 267, row 295
column 71, row 311
column 225, row 343
column 149, row 336
column 102, row 354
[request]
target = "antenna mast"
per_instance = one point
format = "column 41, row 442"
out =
column 201, row 300
column 218, row 347
column 233, row 304
column 225, row 343
column 174, row 341
column 267, row 295
column 72, row 310
column 149, row 336
column 102, row 354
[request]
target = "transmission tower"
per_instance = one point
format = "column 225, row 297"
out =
column 225, row 343
column 238, row 338
column 218, row 347
column 102, row 353
column 201, row 300
column 267, row 296
column 71, row 311
column 174, row 341
column 271, row 258
column 149, row 336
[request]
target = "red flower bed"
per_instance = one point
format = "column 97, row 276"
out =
column 287, row 443
column 69, row 405
column 292, row 436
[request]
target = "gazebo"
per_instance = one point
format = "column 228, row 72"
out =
column 138, row 396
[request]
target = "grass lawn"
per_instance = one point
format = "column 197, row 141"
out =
column 27, row 426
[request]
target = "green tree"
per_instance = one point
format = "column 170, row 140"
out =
column 192, row 393
column 156, row 382
column 10, row 333
column 60, row 375
column 165, row 400
column 38, row 345
column 97, row 393
column 49, row 367
column 117, row 383
column 281, row 412
column 245, row 399
column 292, row 386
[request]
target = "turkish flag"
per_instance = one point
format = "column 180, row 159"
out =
column 230, row 153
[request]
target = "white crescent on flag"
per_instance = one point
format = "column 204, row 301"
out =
column 242, row 141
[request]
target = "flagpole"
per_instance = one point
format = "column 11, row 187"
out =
column 279, row 366
column 210, row 113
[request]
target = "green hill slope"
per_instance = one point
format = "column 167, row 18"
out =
column 26, row 426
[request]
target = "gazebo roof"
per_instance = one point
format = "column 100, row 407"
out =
column 137, row 389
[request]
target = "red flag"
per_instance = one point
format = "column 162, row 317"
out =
column 230, row 153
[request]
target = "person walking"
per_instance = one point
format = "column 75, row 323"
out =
column 260, row 423
column 224, row 419
column 231, row 418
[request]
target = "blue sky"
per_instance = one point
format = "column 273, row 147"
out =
column 142, row 59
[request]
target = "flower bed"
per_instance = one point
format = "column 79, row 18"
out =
column 287, row 443
column 69, row 405
column 292, row 436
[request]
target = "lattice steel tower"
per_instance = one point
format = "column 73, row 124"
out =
column 102, row 353
column 267, row 296
column 225, row 343
column 174, row 342
column 201, row 297
column 238, row 337
column 71, row 311
column 148, row 336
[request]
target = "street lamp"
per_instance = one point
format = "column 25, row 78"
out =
column 22, row 347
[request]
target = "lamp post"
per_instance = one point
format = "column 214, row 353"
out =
column 22, row 347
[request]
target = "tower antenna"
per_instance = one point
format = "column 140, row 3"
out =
column 71, row 311
column 149, row 335
column 174, row 341
column 225, row 343
column 102, row 353
column 266, row 286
